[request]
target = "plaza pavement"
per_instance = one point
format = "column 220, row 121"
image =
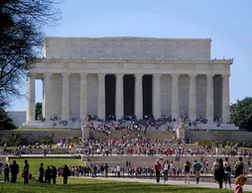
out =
column 247, row 187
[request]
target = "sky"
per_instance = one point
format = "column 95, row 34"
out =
column 227, row 22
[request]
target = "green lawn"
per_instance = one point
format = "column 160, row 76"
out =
column 57, row 162
column 102, row 186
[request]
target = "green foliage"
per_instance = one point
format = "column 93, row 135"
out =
column 47, row 140
column 225, row 143
column 6, row 122
column 38, row 110
column 74, row 140
column 241, row 113
column 206, row 143
column 229, row 142
column 14, row 139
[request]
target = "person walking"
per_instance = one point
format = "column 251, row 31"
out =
column 219, row 173
column 6, row 173
column 239, row 167
column 65, row 174
column 239, row 182
column 196, row 169
column 26, row 172
column 41, row 173
column 227, row 171
column 187, row 168
column 166, row 168
column 157, row 169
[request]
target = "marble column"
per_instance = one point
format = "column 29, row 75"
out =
column 225, row 98
column 156, row 96
column 139, row 96
column 65, row 97
column 101, row 96
column 209, row 98
column 30, row 114
column 192, row 97
column 83, row 95
column 47, row 101
column 119, row 108
column 175, row 97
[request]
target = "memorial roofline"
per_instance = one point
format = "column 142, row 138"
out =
column 127, row 48
column 120, row 60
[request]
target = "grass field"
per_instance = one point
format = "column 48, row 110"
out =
column 35, row 163
column 102, row 186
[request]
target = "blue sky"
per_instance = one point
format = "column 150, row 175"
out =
column 227, row 22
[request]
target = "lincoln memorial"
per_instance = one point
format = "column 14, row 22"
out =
column 126, row 76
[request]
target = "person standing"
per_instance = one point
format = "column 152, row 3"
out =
column 187, row 168
column 14, row 171
column 196, row 168
column 6, row 173
column 41, row 173
column 239, row 167
column 65, row 174
column 102, row 170
column 106, row 168
column 219, row 173
column 54, row 174
column 227, row 171
column 166, row 168
column 26, row 172
column 48, row 174
column 118, row 170
column 157, row 169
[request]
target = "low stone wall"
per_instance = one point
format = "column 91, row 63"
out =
column 241, row 136
column 33, row 134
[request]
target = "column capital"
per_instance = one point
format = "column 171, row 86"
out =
column 119, row 75
column 157, row 76
column 83, row 75
column 211, row 75
column 65, row 74
column 31, row 74
column 138, row 75
column 192, row 76
column 101, row 75
column 175, row 76
column 48, row 74
column 225, row 76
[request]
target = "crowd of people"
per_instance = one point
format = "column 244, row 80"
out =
column 221, row 170
column 47, row 175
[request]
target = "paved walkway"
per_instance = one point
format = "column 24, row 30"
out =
column 174, row 182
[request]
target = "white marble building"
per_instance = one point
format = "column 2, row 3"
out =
column 129, row 76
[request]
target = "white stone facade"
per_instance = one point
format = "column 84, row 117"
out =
column 126, row 75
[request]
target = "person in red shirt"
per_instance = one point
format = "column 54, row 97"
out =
column 157, row 169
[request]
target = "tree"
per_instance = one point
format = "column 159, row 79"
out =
column 241, row 113
column 6, row 122
column 21, row 23
column 38, row 110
